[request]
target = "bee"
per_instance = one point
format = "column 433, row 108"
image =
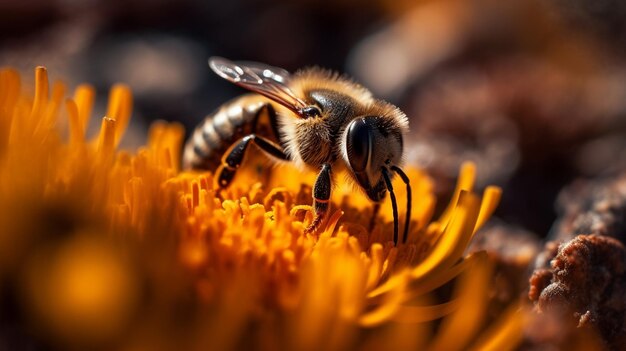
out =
column 317, row 119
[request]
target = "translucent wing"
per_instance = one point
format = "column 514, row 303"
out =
column 266, row 80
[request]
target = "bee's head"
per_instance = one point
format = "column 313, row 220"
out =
column 371, row 144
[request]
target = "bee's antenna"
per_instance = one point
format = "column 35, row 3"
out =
column 406, row 181
column 394, row 205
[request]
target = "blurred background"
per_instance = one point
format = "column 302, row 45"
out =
column 532, row 91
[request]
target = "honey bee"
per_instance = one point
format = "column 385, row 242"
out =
column 317, row 119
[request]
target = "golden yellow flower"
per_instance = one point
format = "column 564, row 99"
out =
column 106, row 247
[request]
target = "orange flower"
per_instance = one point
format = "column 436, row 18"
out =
column 124, row 249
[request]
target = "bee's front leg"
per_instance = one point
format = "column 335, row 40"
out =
column 234, row 157
column 321, row 197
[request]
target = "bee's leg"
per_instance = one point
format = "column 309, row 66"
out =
column 266, row 117
column 234, row 156
column 321, row 197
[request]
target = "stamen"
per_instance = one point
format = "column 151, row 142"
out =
column 394, row 204
column 409, row 201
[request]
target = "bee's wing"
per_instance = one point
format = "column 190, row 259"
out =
column 266, row 80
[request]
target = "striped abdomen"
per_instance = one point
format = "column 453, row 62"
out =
column 219, row 130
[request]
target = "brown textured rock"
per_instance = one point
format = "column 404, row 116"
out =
column 587, row 284
column 597, row 207
column 540, row 279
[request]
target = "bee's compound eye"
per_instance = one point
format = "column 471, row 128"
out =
column 359, row 144
column 311, row 111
